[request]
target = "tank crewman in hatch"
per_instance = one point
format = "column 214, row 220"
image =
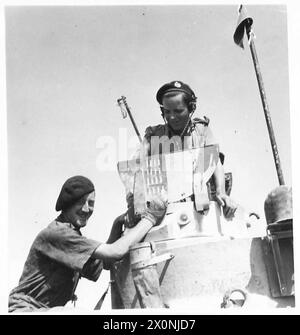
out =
column 177, row 103
column 60, row 255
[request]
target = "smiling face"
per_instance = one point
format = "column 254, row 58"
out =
column 175, row 111
column 79, row 213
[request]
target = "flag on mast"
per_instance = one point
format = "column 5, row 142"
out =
column 121, row 103
column 244, row 23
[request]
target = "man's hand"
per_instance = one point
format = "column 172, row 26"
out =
column 156, row 207
column 229, row 206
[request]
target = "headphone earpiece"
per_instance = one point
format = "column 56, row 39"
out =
column 192, row 106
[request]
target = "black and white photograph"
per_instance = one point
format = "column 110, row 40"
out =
column 148, row 156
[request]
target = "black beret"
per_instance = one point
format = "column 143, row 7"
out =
column 174, row 86
column 72, row 190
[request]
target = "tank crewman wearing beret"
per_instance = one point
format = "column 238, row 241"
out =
column 177, row 103
column 60, row 255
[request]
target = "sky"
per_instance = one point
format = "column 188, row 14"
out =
column 67, row 66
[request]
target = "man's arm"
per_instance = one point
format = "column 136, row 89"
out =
column 228, row 205
column 152, row 215
column 219, row 176
column 120, row 247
